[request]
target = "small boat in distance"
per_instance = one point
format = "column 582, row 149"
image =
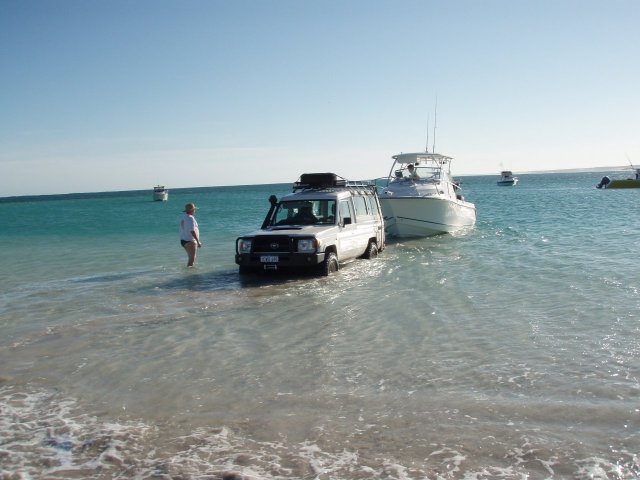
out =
column 608, row 183
column 507, row 179
column 160, row 194
column 421, row 198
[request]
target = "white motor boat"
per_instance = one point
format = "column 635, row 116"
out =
column 507, row 179
column 160, row 194
column 421, row 199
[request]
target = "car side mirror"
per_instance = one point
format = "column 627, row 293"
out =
column 346, row 221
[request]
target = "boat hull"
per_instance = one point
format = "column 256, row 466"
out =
column 425, row 216
column 160, row 196
column 626, row 183
column 507, row 183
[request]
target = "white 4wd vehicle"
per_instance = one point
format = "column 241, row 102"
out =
column 325, row 222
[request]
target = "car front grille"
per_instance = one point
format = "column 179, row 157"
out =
column 272, row 244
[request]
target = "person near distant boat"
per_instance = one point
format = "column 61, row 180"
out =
column 189, row 233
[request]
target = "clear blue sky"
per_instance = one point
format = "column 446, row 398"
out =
column 121, row 94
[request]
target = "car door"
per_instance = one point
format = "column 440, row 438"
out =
column 347, row 231
column 365, row 224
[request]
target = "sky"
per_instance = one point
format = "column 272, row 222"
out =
column 100, row 95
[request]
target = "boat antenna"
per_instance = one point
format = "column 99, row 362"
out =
column 427, row 147
column 629, row 160
column 435, row 124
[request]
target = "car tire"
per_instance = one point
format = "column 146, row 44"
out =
column 330, row 264
column 372, row 250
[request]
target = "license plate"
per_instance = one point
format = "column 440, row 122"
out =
column 269, row 258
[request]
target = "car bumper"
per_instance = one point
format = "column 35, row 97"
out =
column 276, row 261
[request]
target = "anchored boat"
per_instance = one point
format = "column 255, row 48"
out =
column 160, row 194
column 608, row 183
column 507, row 179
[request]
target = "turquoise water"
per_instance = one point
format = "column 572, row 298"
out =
column 508, row 351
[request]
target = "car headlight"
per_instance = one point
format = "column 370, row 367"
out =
column 244, row 245
column 307, row 245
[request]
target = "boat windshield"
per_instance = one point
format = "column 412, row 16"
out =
column 305, row 212
column 417, row 171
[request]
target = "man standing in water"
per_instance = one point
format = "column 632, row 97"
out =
column 189, row 233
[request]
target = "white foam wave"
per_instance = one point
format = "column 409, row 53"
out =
column 45, row 436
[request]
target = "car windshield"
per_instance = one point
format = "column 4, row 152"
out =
column 307, row 212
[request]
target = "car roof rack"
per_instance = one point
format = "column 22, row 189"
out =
column 320, row 180
column 327, row 181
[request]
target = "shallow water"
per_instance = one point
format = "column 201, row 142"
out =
column 508, row 351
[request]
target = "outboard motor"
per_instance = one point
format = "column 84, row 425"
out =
column 604, row 182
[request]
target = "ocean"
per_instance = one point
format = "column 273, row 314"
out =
column 508, row 351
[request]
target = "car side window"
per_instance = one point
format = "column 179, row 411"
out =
column 345, row 212
column 373, row 209
column 361, row 206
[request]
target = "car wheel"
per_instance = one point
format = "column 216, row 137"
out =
column 330, row 264
column 372, row 250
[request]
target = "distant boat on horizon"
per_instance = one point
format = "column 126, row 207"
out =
column 160, row 194
column 507, row 179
